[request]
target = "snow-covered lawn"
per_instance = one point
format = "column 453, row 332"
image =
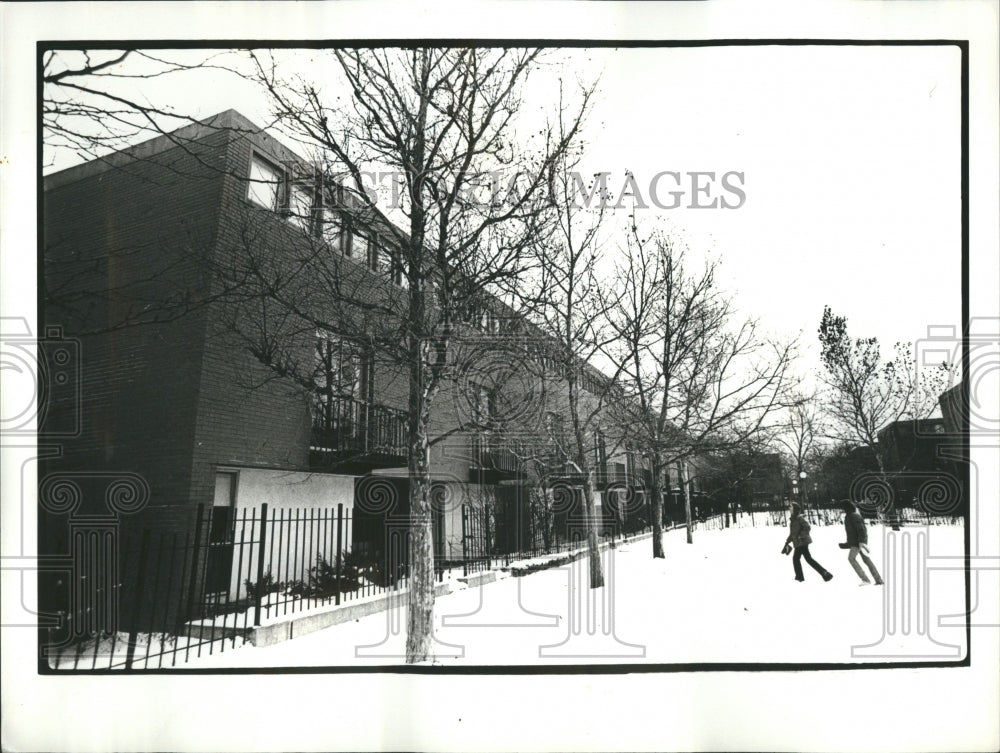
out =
column 728, row 598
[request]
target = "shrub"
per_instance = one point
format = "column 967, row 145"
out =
column 326, row 579
column 375, row 569
column 263, row 587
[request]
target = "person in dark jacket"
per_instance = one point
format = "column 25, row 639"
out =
column 798, row 536
column 857, row 542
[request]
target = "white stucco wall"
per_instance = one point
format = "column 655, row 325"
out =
column 285, row 489
column 302, row 508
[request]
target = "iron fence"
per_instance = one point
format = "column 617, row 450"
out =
column 165, row 596
column 184, row 593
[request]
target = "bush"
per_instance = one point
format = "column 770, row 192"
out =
column 377, row 572
column 260, row 589
column 327, row 579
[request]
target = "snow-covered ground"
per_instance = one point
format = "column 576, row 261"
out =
column 730, row 597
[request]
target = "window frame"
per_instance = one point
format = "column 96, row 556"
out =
column 359, row 254
column 280, row 182
column 300, row 217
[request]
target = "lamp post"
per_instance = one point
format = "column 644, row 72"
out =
column 804, row 489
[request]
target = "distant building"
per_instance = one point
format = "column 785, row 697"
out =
column 922, row 464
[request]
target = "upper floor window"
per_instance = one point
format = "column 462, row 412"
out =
column 343, row 370
column 486, row 405
column 347, row 246
column 332, row 228
column 631, row 465
column 266, row 183
column 361, row 249
column 378, row 255
column 300, row 205
column 489, row 322
column 600, row 450
column 394, row 261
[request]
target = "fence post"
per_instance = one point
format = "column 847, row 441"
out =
column 137, row 596
column 340, row 521
column 260, row 563
column 195, row 556
column 486, row 525
column 465, row 550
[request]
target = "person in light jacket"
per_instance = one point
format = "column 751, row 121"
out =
column 798, row 536
column 857, row 542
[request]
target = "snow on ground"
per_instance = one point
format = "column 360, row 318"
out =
column 730, row 597
column 156, row 651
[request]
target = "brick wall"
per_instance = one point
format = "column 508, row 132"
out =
column 123, row 252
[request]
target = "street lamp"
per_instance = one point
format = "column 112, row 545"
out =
column 804, row 488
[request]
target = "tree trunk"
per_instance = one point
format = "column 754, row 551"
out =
column 657, row 504
column 596, row 574
column 420, row 618
column 420, row 615
column 687, row 501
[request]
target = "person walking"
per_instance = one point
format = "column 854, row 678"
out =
column 798, row 536
column 857, row 542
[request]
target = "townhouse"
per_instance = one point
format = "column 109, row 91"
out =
column 163, row 263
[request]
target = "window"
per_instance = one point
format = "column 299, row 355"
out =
column 341, row 366
column 631, row 466
column 331, row 228
column 342, row 379
column 600, row 452
column 300, row 205
column 486, row 405
column 361, row 248
column 385, row 257
column 376, row 255
column 489, row 323
column 395, row 262
column 266, row 183
column 347, row 242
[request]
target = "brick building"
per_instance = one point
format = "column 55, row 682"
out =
column 922, row 464
column 190, row 387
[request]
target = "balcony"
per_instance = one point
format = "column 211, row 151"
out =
column 497, row 454
column 610, row 474
column 344, row 427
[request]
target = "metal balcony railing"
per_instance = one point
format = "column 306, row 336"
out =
column 344, row 424
column 609, row 474
column 494, row 453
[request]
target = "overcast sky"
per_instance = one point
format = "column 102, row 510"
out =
column 848, row 160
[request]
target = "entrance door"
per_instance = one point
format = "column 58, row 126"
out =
column 220, row 537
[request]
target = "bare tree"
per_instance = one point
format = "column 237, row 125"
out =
column 569, row 305
column 96, row 103
column 438, row 120
column 800, row 434
column 696, row 378
column 867, row 391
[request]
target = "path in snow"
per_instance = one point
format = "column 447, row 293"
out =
column 728, row 598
